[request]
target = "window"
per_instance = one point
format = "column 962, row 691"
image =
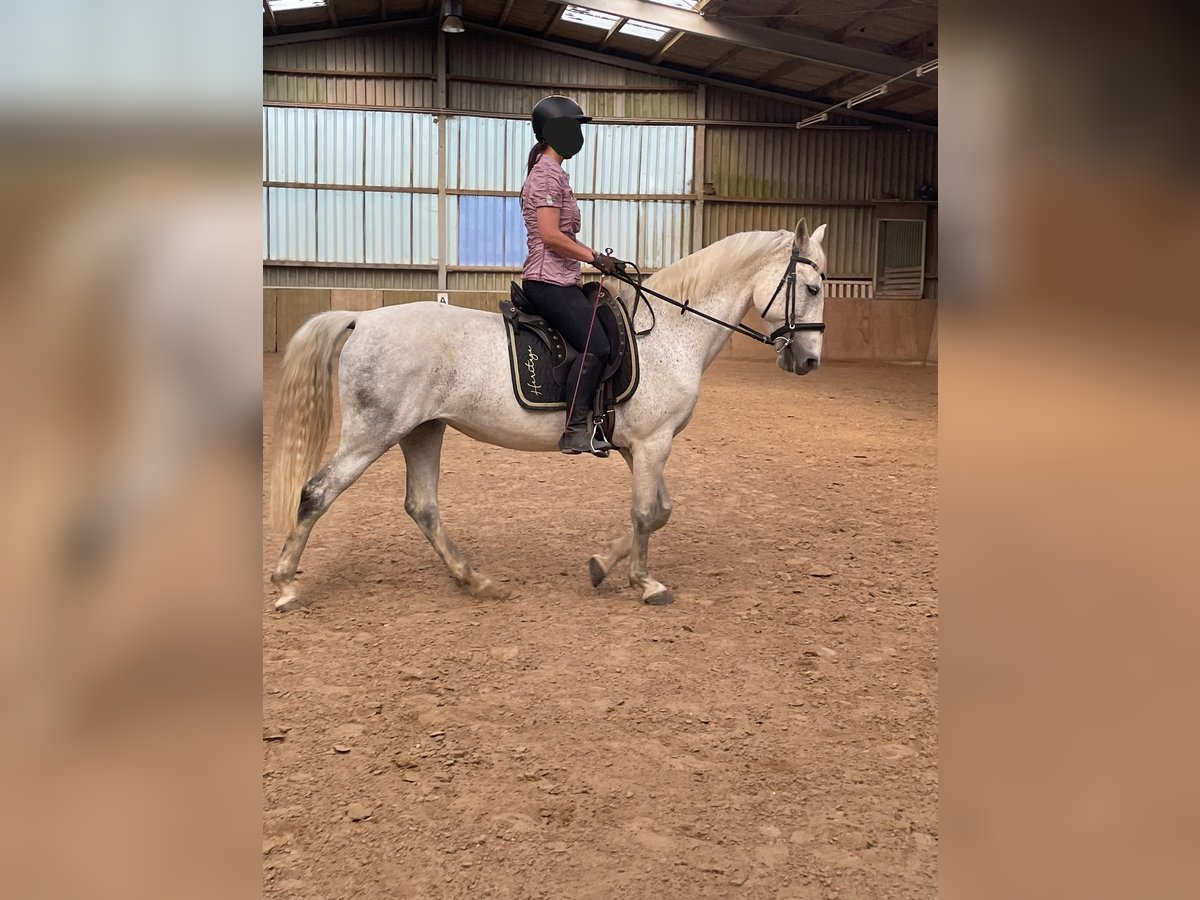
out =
column 285, row 5
column 632, row 27
column 635, row 28
column 581, row 16
column 900, row 258
column 679, row 4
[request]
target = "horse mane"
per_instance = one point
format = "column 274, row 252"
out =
column 688, row 276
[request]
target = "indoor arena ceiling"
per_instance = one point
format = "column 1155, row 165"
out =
column 820, row 52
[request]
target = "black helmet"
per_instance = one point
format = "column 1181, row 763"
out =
column 555, row 107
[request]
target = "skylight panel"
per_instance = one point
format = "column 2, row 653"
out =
column 285, row 5
column 635, row 28
column 581, row 16
column 678, row 4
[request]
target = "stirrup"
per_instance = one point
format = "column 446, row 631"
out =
column 600, row 443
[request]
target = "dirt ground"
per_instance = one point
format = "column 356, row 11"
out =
column 771, row 734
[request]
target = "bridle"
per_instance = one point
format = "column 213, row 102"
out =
column 790, row 326
column 780, row 338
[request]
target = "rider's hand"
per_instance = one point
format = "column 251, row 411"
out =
column 609, row 265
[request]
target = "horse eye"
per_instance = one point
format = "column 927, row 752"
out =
column 814, row 289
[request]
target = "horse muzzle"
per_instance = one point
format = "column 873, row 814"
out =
column 798, row 363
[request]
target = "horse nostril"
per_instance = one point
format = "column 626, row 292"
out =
column 810, row 363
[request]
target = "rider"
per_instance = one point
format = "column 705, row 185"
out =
column 551, row 278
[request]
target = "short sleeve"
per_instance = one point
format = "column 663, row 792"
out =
column 545, row 189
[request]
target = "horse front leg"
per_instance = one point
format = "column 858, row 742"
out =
column 602, row 563
column 651, row 511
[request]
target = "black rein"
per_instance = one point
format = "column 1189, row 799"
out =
column 784, row 332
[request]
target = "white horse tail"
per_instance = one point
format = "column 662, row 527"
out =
column 304, row 412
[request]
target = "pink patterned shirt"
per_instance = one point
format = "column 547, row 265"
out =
column 548, row 185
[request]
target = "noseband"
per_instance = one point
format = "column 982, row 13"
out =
column 785, row 332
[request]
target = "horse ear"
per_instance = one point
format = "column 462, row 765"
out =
column 802, row 233
column 819, row 234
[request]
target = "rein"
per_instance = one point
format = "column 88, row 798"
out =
column 780, row 338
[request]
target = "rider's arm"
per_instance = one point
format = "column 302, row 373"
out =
column 554, row 239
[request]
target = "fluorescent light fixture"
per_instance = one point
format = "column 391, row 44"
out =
column 867, row 95
column 285, row 5
column 813, row 120
column 926, row 68
column 581, row 16
column 634, row 28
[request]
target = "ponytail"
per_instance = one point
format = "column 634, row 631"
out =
column 534, row 155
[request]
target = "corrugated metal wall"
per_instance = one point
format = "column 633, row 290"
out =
column 790, row 164
column 753, row 177
column 350, row 148
column 325, row 277
column 850, row 240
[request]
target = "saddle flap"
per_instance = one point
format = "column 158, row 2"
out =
column 540, row 359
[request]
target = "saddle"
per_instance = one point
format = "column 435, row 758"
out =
column 540, row 360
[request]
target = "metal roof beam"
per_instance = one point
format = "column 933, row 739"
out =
column 271, row 17
column 826, row 90
column 637, row 65
column 321, row 34
column 753, row 37
column 558, row 14
column 782, row 69
column 905, row 93
column 617, row 26
column 721, row 60
column 842, row 33
column 915, row 44
column 329, row 4
column 665, row 47
column 504, row 15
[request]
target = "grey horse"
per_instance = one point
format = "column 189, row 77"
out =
column 409, row 371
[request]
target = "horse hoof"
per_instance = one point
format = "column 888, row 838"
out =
column 287, row 604
column 596, row 570
column 486, row 589
column 662, row 598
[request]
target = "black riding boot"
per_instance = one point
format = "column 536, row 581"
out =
column 578, row 437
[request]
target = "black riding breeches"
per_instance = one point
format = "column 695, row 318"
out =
column 568, row 310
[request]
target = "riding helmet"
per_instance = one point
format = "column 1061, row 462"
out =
column 555, row 107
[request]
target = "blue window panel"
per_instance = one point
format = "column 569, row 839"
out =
column 490, row 231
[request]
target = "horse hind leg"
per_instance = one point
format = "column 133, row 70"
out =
column 422, row 449
column 354, row 456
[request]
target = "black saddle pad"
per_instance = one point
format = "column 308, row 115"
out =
column 540, row 360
